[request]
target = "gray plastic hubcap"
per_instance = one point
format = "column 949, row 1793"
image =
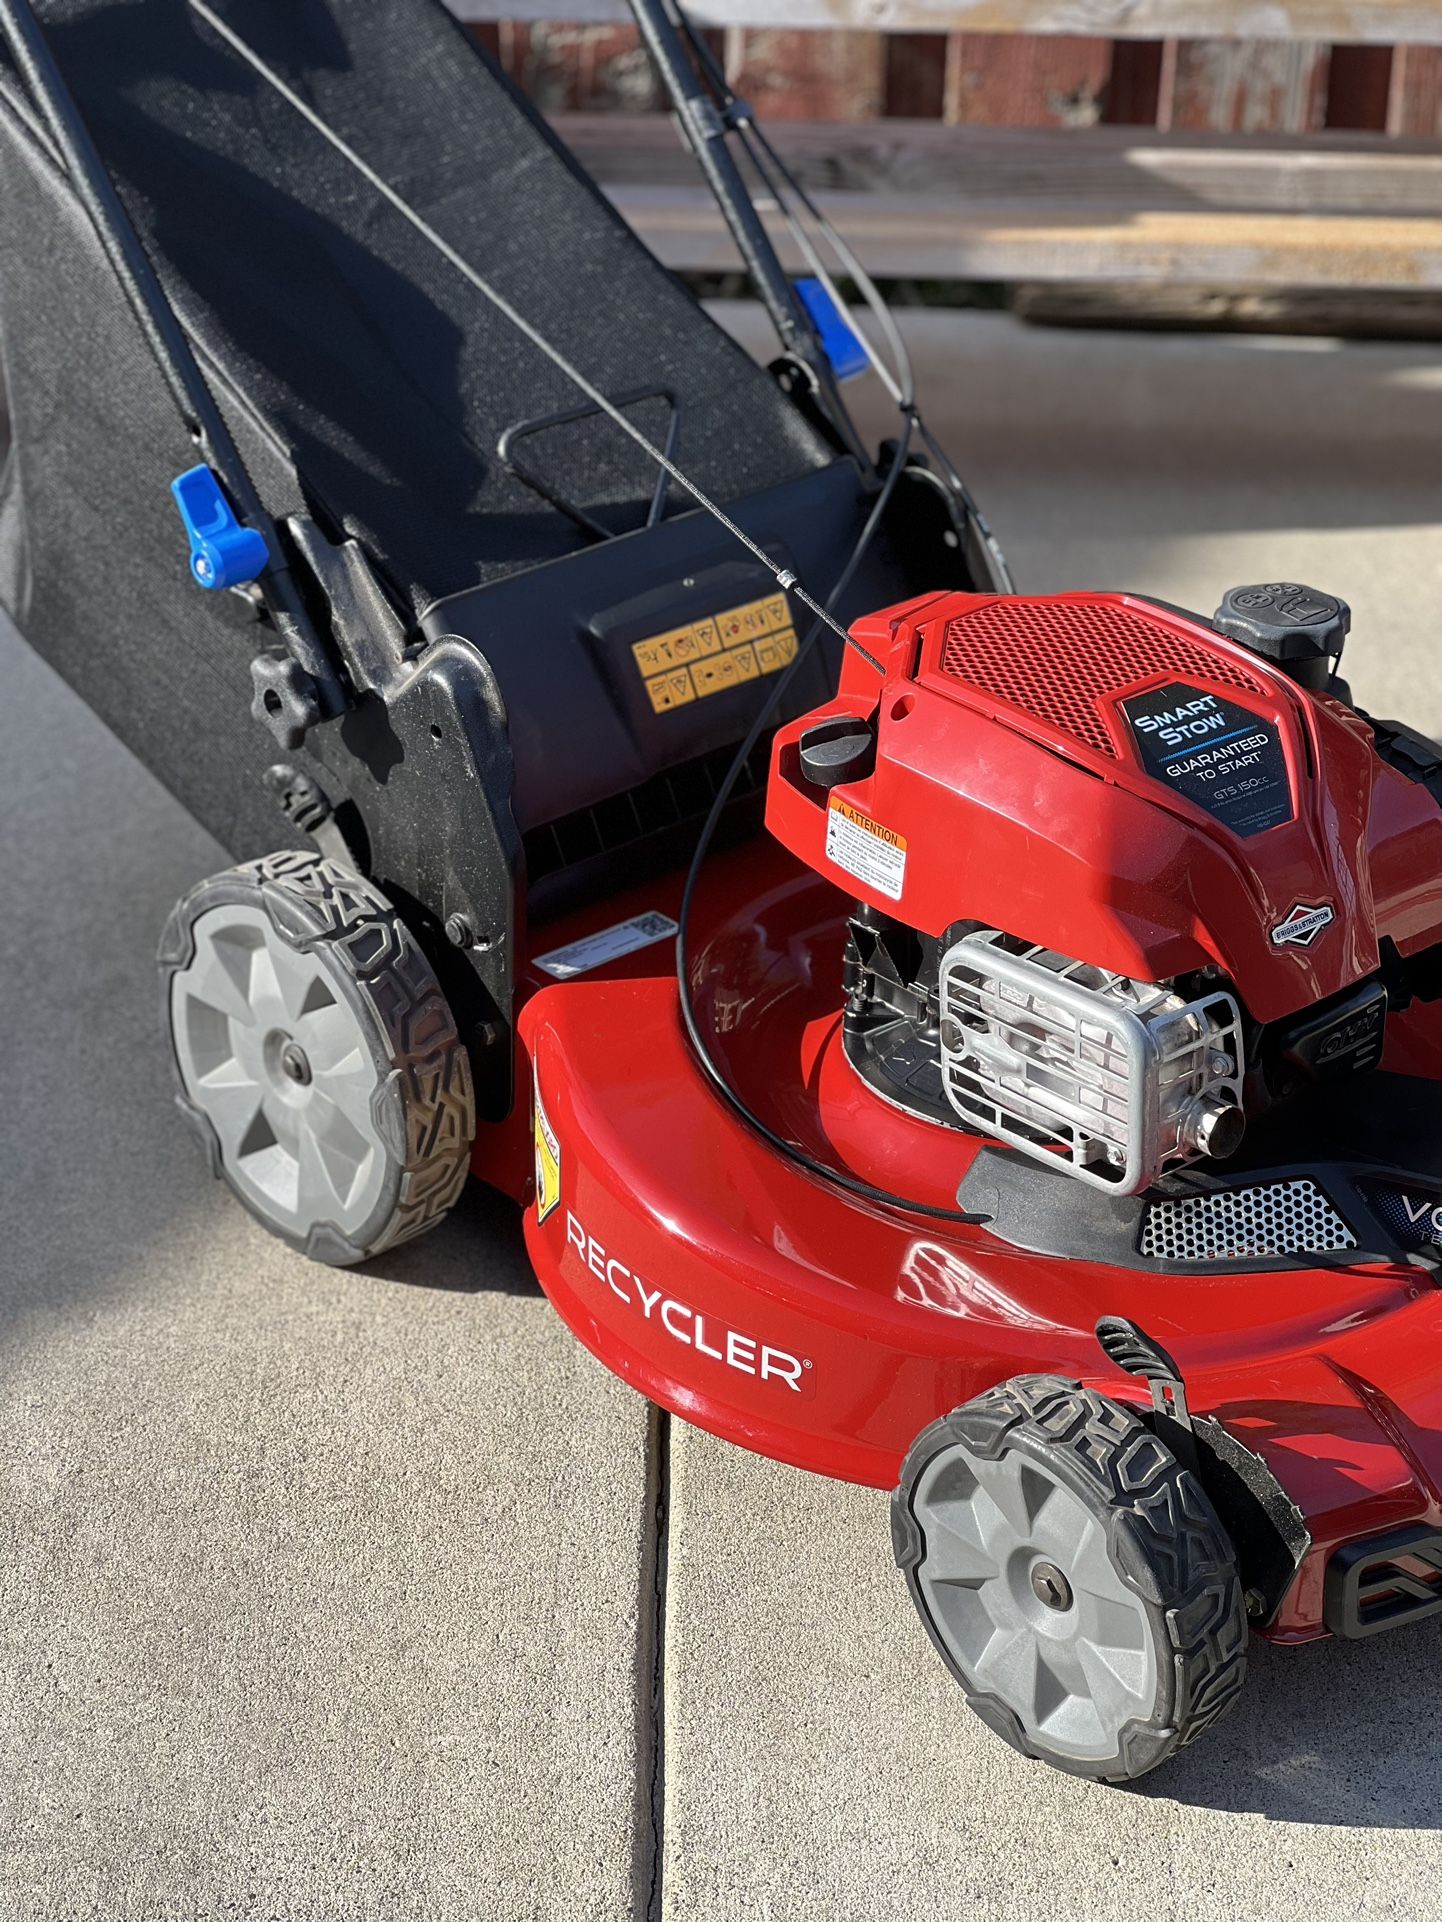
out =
column 1020, row 1584
column 282, row 1067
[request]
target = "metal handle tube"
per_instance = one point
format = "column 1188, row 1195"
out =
column 705, row 132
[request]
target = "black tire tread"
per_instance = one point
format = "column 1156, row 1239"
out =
column 425, row 1109
column 1166, row 1540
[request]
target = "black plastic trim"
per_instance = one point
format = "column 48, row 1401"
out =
column 1028, row 1206
column 1268, row 1530
column 1366, row 1589
column 1343, row 1139
column 1412, row 754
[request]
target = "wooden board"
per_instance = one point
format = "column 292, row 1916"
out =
column 1258, row 86
column 1110, row 204
column 979, row 241
column 1115, row 169
column 1382, row 21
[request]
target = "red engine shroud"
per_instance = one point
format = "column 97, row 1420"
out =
column 1006, row 765
column 757, row 1301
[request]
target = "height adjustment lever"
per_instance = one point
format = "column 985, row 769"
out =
column 1142, row 1355
column 223, row 553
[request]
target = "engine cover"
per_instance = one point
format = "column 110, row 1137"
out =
column 1112, row 780
column 1104, row 781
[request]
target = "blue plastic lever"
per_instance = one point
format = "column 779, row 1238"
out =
column 841, row 346
column 222, row 552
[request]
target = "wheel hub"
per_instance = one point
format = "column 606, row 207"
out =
column 1050, row 1586
column 294, row 1065
column 1020, row 1583
column 278, row 1061
column 286, row 1070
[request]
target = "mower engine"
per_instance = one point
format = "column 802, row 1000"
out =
column 1125, row 878
column 1123, row 1078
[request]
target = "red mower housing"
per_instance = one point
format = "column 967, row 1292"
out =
column 998, row 771
column 1046, row 1123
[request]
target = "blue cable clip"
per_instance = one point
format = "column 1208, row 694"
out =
column 839, row 343
column 222, row 552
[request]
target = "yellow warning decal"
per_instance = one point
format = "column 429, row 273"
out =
column 548, row 1162
column 776, row 651
column 677, row 648
column 731, row 669
column 672, row 689
column 716, row 653
column 755, row 618
column 875, row 854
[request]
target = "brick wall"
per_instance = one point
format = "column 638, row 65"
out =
column 1019, row 80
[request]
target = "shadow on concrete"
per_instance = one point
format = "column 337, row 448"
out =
column 100, row 1175
column 477, row 1249
column 1335, row 1733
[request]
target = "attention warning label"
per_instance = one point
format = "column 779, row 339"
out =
column 873, row 853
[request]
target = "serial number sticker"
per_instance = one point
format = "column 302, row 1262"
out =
column 717, row 653
column 595, row 950
column 873, row 853
column 548, row 1161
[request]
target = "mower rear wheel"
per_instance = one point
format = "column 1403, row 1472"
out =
column 1073, row 1576
column 316, row 1056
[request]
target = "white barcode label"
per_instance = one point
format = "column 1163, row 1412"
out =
column 595, row 950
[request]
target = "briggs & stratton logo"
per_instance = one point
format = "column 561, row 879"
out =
column 1302, row 926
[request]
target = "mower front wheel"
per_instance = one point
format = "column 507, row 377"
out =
column 1073, row 1576
column 316, row 1056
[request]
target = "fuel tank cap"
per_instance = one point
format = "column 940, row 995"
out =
column 1297, row 627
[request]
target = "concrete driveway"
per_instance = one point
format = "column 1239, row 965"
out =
column 368, row 1595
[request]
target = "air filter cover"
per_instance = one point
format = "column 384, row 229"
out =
column 1063, row 661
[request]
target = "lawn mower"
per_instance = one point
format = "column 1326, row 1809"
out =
column 986, row 1049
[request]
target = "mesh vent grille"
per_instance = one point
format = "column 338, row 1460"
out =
column 1056, row 660
column 1283, row 1218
